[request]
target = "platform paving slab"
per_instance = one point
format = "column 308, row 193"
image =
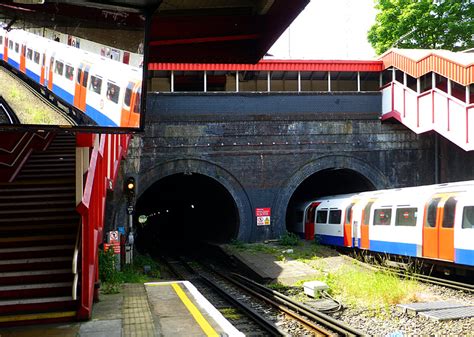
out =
column 267, row 266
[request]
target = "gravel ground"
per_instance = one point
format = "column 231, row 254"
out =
column 28, row 108
column 392, row 321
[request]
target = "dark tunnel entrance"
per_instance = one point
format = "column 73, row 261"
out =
column 322, row 183
column 185, row 208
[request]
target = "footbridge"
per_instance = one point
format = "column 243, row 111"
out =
column 431, row 90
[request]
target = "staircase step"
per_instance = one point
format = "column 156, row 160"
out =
column 36, row 264
column 33, row 318
column 37, row 196
column 34, row 205
column 29, row 227
column 35, row 290
column 29, row 252
column 40, row 240
column 48, row 218
column 41, row 304
column 27, row 212
column 36, row 189
column 37, row 276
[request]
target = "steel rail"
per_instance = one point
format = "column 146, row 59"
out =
column 430, row 279
column 317, row 316
column 265, row 324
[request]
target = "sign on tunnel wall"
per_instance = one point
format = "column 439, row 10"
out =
column 263, row 216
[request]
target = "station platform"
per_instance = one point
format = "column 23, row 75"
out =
column 173, row 308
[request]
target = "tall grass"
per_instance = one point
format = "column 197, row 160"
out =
column 372, row 289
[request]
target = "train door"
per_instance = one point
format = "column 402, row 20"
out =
column 364, row 226
column 446, row 230
column 81, row 87
column 438, row 228
column 50, row 72
column 5, row 49
column 348, row 226
column 23, row 59
column 309, row 221
column 131, row 105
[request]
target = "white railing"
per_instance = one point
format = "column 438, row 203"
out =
column 431, row 110
column 75, row 259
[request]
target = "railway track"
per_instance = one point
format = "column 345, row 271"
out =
column 7, row 115
column 71, row 116
column 274, row 314
column 429, row 279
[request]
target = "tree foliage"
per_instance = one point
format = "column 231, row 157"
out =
column 447, row 24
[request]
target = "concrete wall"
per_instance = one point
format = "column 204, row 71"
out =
column 261, row 147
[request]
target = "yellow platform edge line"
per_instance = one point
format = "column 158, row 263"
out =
column 30, row 317
column 203, row 323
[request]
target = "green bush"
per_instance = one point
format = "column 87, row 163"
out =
column 108, row 273
column 289, row 239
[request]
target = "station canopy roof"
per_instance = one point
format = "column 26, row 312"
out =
column 183, row 31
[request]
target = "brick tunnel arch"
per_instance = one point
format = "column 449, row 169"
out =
column 191, row 200
column 325, row 175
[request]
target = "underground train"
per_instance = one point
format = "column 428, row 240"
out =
column 107, row 91
column 434, row 222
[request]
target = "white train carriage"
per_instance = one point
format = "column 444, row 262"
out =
column 330, row 217
column 464, row 229
column 433, row 222
column 107, row 91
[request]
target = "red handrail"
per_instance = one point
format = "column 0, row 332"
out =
column 103, row 166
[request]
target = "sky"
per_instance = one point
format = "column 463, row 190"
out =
column 329, row 29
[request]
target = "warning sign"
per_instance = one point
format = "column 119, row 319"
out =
column 113, row 237
column 114, row 246
column 263, row 216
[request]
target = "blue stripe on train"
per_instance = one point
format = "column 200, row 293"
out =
column 32, row 75
column 63, row 94
column 464, row 256
column 399, row 248
column 13, row 63
column 99, row 117
column 329, row 239
column 96, row 115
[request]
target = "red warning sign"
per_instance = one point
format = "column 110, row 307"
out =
column 114, row 246
column 263, row 216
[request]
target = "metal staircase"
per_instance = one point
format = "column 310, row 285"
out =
column 39, row 230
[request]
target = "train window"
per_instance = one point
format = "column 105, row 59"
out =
column 10, row 44
column 37, row 57
column 367, row 210
column 382, row 217
column 59, row 68
column 128, row 96
column 348, row 213
column 85, row 78
column 29, row 54
column 136, row 108
column 335, row 216
column 1, row 40
column 448, row 214
column 69, row 72
column 96, row 84
column 113, row 92
column 322, row 216
column 406, row 216
column 17, row 47
column 468, row 217
column 79, row 73
column 430, row 219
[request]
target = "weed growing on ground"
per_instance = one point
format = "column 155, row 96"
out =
column 370, row 289
column 112, row 279
column 231, row 313
column 289, row 239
